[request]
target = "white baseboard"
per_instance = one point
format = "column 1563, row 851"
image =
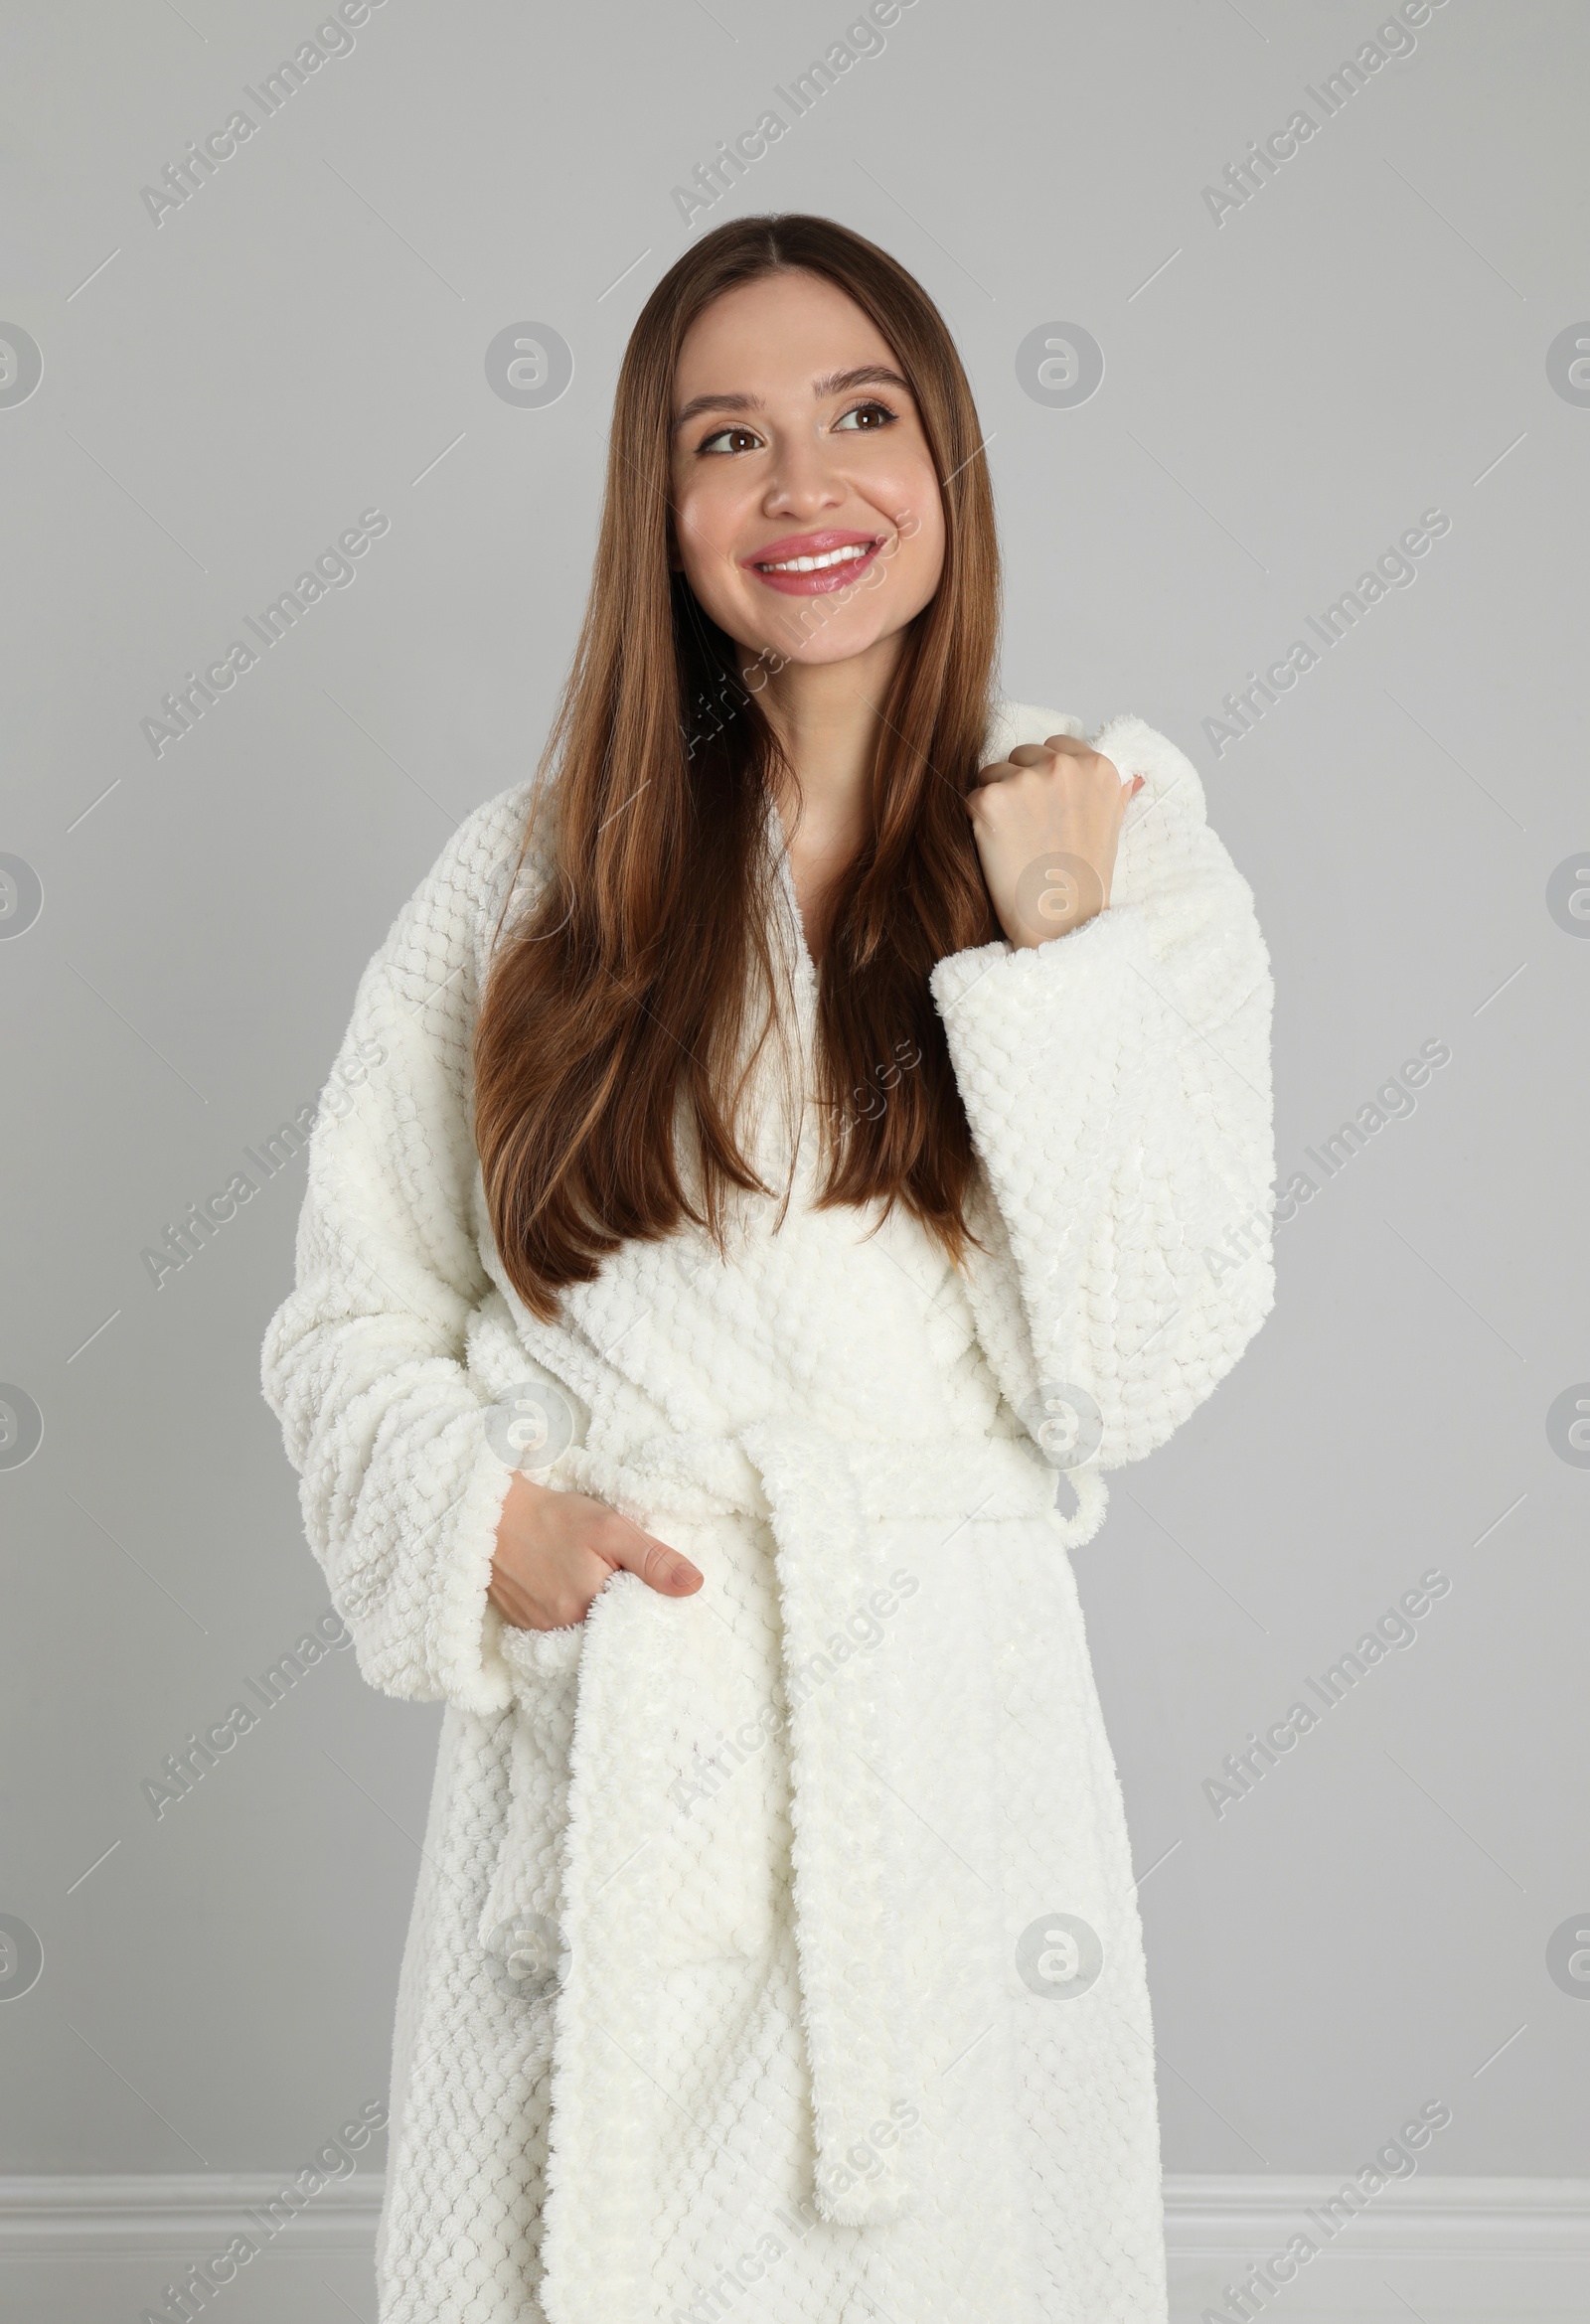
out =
column 122, row 2214
column 1448, row 2250
column 1494, row 2219
column 1492, row 2251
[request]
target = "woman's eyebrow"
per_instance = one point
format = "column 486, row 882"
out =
column 701, row 403
column 868, row 375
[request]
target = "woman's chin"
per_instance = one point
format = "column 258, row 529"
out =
column 838, row 640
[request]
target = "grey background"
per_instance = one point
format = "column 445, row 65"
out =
column 304, row 340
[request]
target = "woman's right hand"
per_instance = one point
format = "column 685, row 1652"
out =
column 558, row 1551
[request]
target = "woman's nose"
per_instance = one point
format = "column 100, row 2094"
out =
column 804, row 479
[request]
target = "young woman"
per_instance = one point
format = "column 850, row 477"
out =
column 795, row 1151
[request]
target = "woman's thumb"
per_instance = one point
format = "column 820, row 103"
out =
column 659, row 1566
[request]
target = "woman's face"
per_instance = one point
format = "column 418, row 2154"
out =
column 797, row 445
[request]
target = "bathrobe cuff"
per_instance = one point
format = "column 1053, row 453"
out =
column 1116, row 1081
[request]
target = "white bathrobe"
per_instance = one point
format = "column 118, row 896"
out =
column 776, row 1953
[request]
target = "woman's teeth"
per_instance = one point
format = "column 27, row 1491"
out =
column 816, row 564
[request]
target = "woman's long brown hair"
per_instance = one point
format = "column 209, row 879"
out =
column 616, row 1035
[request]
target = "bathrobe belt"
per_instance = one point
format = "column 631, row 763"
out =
column 821, row 1496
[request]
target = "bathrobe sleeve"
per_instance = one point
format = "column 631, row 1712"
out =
column 1117, row 1084
column 382, row 1361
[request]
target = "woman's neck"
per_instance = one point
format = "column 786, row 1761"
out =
column 827, row 718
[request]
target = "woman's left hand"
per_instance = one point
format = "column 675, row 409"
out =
column 1047, row 822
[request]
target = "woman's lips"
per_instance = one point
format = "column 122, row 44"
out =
column 813, row 564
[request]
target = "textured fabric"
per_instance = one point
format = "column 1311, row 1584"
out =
column 775, row 1951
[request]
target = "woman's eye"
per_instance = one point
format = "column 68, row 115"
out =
column 868, row 417
column 744, row 436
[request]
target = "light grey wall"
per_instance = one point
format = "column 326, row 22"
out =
column 1286, row 390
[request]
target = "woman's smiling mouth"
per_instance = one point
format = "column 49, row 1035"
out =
column 812, row 563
